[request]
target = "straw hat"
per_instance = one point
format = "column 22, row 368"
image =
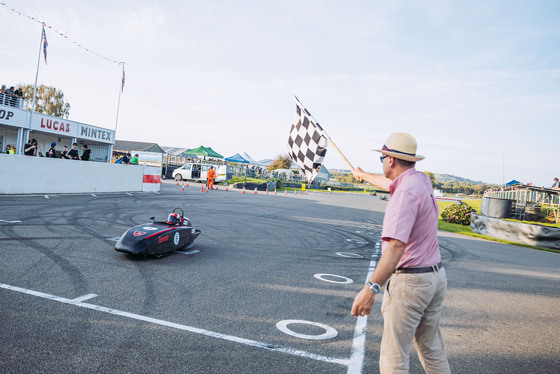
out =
column 402, row 146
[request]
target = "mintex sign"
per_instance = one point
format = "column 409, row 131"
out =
column 96, row 133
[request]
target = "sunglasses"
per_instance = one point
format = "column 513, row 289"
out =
column 383, row 157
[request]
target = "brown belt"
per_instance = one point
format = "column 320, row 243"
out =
column 427, row 269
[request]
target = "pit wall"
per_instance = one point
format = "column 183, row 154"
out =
column 30, row 175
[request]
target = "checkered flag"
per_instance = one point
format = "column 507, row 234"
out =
column 307, row 144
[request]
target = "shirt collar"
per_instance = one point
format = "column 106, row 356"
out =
column 398, row 179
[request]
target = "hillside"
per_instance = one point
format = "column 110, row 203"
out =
column 452, row 178
column 439, row 177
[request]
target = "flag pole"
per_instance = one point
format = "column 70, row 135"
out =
column 26, row 136
column 327, row 135
column 339, row 151
column 37, row 73
column 119, row 101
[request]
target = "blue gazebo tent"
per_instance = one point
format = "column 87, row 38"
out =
column 237, row 158
column 512, row 183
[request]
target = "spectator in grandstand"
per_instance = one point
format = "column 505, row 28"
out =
column 9, row 96
column 64, row 153
column 86, row 153
column 73, row 153
column 30, row 148
column 2, row 94
column 556, row 184
column 134, row 160
column 18, row 96
column 52, row 151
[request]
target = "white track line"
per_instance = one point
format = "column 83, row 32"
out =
column 217, row 335
column 359, row 342
column 84, row 298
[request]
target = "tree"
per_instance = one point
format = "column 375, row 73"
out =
column 281, row 162
column 49, row 100
column 432, row 178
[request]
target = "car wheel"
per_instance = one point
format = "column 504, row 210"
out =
column 178, row 177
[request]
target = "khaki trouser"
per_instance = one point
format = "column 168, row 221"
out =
column 411, row 311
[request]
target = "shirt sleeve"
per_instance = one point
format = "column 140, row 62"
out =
column 400, row 216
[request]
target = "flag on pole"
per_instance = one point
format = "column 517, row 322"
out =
column 307, row 144
column 45, row 43
column 122, row 87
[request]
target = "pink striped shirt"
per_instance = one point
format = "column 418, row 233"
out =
column 412, row 217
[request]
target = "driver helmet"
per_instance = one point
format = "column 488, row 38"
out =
column 173, row 219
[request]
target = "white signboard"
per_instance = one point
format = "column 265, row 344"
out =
column 13, row 116
column 71, row 129
column 148, row 156
column 54, row 125
column 96, row 133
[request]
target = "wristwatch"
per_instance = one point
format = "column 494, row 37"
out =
column 374, row 287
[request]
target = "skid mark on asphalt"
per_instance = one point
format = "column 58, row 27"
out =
column 212, row 334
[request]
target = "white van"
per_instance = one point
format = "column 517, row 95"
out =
column 197, row 172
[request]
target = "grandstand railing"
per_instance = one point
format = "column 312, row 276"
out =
column 13, row 101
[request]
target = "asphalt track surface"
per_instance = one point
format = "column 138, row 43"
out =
column 70, row 303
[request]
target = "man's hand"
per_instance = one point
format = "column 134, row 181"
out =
column 363, row 302
column 357, row 173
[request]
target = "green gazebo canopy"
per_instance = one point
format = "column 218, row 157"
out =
column 203, row 151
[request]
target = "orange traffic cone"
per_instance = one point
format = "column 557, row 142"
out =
column 177, row 183
column 244, row 190
column 307, row 193
column 295, row 192
column 227, row 187
column 255, row 191
column 286, row 193
column 267, row 191
column 206, row 188
column 183, row 187
column 202, row 188
column 275, row 192
column 187, row 184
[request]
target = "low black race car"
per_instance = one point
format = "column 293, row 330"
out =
column 159, row 238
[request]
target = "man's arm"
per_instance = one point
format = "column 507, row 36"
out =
column 377, row 180
column 387, row 264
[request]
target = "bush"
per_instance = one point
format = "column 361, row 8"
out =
column 279, row 184
column 457, row 213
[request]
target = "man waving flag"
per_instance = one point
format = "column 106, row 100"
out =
column 307, row 144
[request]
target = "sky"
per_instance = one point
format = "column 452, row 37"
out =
column 477, row 83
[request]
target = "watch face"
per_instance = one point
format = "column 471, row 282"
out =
column 375, row 288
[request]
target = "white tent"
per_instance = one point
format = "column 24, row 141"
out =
column 248, row 158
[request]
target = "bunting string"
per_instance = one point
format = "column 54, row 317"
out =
column 62, row 34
